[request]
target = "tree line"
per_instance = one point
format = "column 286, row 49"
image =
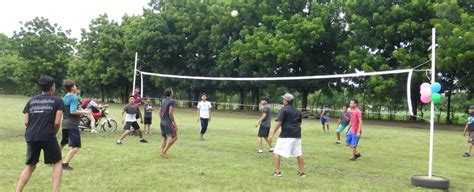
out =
column 268, row 38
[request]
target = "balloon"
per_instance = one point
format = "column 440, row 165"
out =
column 436, row 98
column 425, row 99
column 425, row 91
column 435, row 87
column 425, row 85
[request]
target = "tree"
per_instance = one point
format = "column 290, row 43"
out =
column 46, row 50
column 107, row 66
column 388, row 35
column 455, row 55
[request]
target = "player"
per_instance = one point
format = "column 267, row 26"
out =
column 289, row 142
column 168, row 123
column 353, row 135
column 204, row 114
column 325, row 118
column 129, row 114
column 469, row 130
column 264, row 123
column 42, row 118
column 343, row 123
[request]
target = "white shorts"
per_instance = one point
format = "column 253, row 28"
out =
column 288, row 147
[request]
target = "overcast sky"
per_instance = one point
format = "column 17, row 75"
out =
column 68, row 14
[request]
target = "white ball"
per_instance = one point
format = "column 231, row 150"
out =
column 234, row 13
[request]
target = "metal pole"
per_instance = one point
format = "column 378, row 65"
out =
column 141, row 85
column 433, row 75
column 135, row 72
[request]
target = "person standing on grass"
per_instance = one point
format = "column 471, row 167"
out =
column 353, row 135
column 137, row 96
column 129, row 114
column 343, row 123
column 168, row 123
column 264, row 124
column 324, row 117
column 42, row 119
column 138, row 99
column 71, row 119
column 148, row 109
column 289, row 142
column 469, row 130
column 204, row 114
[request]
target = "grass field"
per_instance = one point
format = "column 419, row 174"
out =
column 227, row 160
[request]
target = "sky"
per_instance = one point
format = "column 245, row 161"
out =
column 69, row 14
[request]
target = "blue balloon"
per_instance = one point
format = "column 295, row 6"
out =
column 435, row 87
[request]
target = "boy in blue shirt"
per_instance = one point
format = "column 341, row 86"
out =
column 343, row 122
column 469, row 128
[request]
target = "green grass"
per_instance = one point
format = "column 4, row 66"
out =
column 227, row 160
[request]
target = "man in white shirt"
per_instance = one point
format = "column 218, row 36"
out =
column 204, row 114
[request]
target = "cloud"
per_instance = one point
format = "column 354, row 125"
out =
column 68, row 14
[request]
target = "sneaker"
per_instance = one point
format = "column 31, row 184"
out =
column 143, row 141
column 119, row 142
column 94, row 131
column 260, row 151
column 466, row 154
column 301, row 174
column 271, row 150
column 358, row 155
column 352, row 159
column 338, row 142
column 277, row 174
column 67, row 167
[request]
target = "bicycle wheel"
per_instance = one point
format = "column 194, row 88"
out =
column 109, row 125
column 83, row 124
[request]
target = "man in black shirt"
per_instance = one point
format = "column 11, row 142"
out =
column 43, row 114
column 289, row 142
column 167, row 124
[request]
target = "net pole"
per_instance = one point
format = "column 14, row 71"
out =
column 410, row 107
column 135, row 72
column 433, row 75
column 141, row 85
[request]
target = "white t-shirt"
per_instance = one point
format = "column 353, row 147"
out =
column 204, row 109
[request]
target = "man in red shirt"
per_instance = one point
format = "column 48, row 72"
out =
column 353, row 135
column 137, row 96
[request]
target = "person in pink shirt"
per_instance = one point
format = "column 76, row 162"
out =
column 353, row 134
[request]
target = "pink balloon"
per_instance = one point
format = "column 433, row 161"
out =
column 425, row 85
column 425, row 99
column 425, row 91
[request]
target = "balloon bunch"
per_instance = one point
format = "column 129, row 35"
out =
column 430, row 92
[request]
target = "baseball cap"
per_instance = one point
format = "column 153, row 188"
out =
column 288, row 97
column 471, row 107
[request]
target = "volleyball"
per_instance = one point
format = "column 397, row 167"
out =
column 234, row 13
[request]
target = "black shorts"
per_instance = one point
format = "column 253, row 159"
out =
column 71, row 137
column 147, row 120
column 131, row 124
column 263, row 131
column 51, row 150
